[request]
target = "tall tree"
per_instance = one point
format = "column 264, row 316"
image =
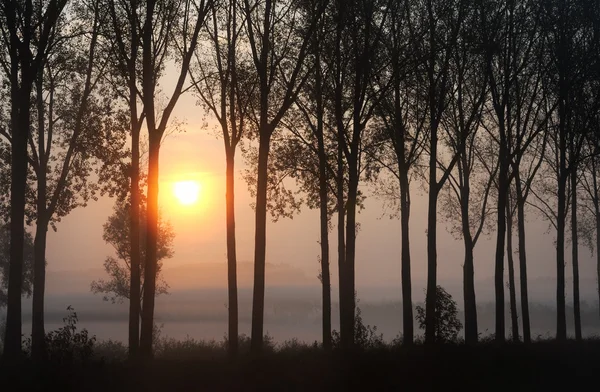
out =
column 401, row 114
column 77, row 134
column 27, row 48
column 475, row 173
column 170, row 30
column 357, row 44
column 226, row 88
column 124, row 32
column 441, row 22
column 278, row 34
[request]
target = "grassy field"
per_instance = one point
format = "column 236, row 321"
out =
column 200, row 366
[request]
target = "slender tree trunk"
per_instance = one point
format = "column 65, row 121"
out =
column 575, row 252
column 597, row 210
column 350, row 290
column 341, row 243
column 134, row 234
column 561, row 319
column 523, row 261
column 135, row 299
column 146, row 337
column 20, row 125
column 39, row 268
column 407, row 311
column 500, row 237
column 231, row 255
column 511, row 274
column 258, row 299
column 430, row 298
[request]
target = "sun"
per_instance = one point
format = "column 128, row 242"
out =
column 187, row 192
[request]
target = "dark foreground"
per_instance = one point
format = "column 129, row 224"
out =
column 543, row 366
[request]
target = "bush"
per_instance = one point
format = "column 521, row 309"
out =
column 66, row 344
column 365, row 336
column 447, row 325
column 110, row 351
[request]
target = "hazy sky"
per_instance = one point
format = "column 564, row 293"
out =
column 198, row 154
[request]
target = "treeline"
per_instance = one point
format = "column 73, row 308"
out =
column 491, row 105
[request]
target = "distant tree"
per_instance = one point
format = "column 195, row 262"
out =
column 447, row 326
column 28, row 251
column 116, row 233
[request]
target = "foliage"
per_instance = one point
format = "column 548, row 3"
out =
column 66, row 344
column 447, row 325
column 5, row 261
column 117, row 234
column 365, row 336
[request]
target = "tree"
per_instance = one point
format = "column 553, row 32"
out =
column 28, row 256
column 226, row 89
column 125, row 32
column 399, row 146
column 269, row 28
column 447, row 326
column 26, row 29
column 475, row 171
column 117, row 233
column 78, row 133
column 441, row 22
column 170, row 31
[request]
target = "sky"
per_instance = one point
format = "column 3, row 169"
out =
column 195, row 152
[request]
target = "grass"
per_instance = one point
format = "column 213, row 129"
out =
column 192, row 365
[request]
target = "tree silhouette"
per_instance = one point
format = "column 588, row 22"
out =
column 117, row 233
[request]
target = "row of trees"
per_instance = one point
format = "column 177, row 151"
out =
column 492, row 105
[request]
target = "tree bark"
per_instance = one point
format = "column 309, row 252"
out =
column 407, row 311
column 500, row 237
column 146, row 337
column 258, row 298
column 135, row 299
column 39, row 267
column 523, row 261
column 575, row 251
column 20, row 125
column 231, row 255
column 134, row 234
column 350, row 291
column 511, row 274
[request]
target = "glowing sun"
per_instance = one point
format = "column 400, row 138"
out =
column 187, row 192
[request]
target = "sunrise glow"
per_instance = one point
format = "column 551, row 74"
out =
column 187, row 192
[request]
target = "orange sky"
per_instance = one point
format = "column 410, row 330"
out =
column 197, row 154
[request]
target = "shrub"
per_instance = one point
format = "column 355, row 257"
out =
column 365, row 336
column 447, row 325
column 66, row 344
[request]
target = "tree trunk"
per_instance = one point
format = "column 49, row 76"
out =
column 575, row 252
column 134, row 234
column 323, row 210
column 146, row 337
column 231, row 255
column 597, row 210
column 258, row 298
column 39, row 269
column 471, row 334
column 341, row 242
column 38, row 334
column 20, row 125
column 511, row 274
column 500, row 237
column 407, row 311
column 523, row 261
column 350, row 291
column 430, row 297
column 561, row 319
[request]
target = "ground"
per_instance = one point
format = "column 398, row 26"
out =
column 542, row 366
